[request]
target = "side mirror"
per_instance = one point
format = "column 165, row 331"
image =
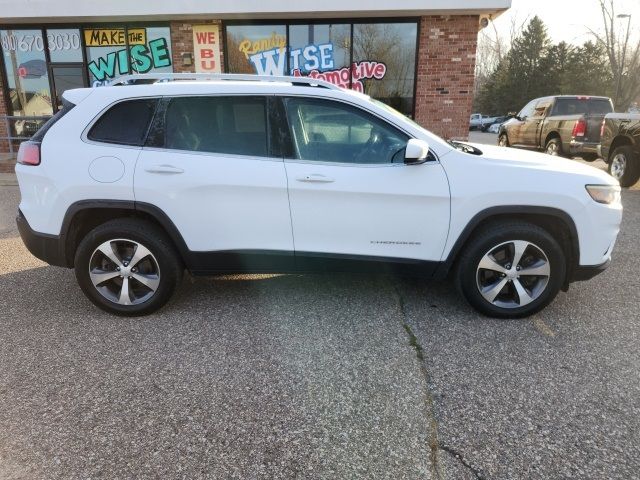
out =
column 416, row 152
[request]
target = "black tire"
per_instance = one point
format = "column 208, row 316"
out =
column 624, row 165
column 503, row 140
column 554, row 147
column 163, row 257
column 468, row 276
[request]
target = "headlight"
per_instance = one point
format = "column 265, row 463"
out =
column 606, row 194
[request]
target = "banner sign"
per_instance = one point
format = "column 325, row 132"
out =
column 206, row 48
column 108, row 56
column 114, row 37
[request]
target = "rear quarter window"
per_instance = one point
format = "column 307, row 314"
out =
column 582, row 106
column 600, row 107
column 42, row 131
column 125, row 123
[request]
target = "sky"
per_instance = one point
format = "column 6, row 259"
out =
column 567, row 20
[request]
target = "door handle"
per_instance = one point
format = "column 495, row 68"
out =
column 166, row 169
column 314, row 178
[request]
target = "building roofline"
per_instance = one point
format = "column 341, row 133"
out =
column 72, row 11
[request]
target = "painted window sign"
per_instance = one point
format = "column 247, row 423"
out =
column 112, row 37
column 375, row 58
column 115, row 52
column 315, row 61
column 206, row 46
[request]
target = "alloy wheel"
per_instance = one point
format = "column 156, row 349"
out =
column 513, row 274
column 618, row 166
column 124, row 272
column 552, row 149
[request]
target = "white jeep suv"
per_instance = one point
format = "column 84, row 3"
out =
column 131, row 184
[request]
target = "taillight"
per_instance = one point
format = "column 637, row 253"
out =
column 580, row 128
column 29, row 153
column 602, row 129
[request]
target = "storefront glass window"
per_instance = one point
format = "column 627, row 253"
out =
column 380, row 63
column 257, row 49
column 320, row 48
column 384, row 62
column 116, row 51
column 27, row 76
column 64, row 45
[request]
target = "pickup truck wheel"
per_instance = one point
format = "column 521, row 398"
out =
column 511, row 270
column 554, row 147
column 625, row 166
column 127, row 267
column 503, row 140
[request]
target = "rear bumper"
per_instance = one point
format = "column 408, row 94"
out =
column 48, row 248
column 577, row 148
column 582, row 272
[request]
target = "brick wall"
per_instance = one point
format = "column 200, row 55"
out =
column 446, row 64
column 182, row 42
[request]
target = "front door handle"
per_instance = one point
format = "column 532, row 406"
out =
column 166, row 169
column 314, row 178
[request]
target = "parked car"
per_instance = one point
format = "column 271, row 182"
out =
column 130, row 185
column 620, row 146
column 478, row 121
column 561, row 126
column 494, row 127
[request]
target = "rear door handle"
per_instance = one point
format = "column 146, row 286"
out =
column 314, row 178
column 166, row 169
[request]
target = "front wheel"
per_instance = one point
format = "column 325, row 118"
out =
column 127, row 267
column 625, row 166
column 503, row 140
column 511, row 270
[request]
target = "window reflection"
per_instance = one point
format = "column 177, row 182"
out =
column 380, row 63
column 27, row 76
column 384, row 57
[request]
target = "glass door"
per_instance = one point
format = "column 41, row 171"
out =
column 65, row 77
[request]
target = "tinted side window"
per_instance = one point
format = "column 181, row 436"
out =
column 571, row 106
column 126, row 123
column 233, row 125
column 541, row 108
column 335, row 132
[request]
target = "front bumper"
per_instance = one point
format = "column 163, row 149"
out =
column 587, row 272
column 48, row 248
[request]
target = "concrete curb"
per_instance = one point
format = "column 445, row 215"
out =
column 8, row 180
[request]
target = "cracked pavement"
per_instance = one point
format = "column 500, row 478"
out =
column 317, row 376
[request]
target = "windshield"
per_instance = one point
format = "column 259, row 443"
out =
column 399, row 115
column 457, row 145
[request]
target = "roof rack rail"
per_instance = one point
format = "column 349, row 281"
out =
column 170, row 77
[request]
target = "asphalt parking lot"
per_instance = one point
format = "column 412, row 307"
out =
column 317, row 376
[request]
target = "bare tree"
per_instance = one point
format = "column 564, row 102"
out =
column 623, row 55
column 493, row 47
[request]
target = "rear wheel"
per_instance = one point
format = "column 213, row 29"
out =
column 511, row 270
column 127, row 267
column 625, row 166
column 554, row 147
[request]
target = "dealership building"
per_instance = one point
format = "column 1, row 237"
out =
column 416, row 55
